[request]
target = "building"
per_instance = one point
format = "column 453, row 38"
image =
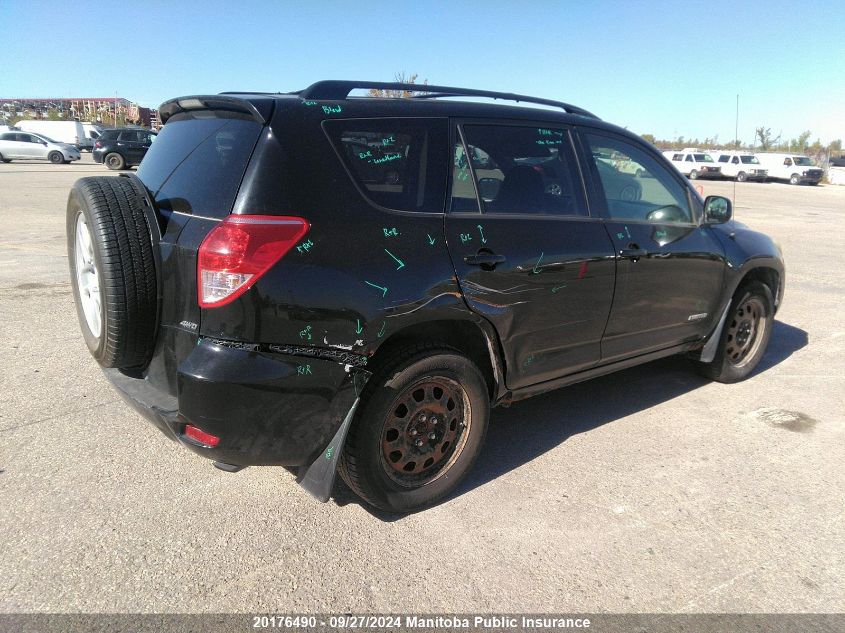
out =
column 103, row 110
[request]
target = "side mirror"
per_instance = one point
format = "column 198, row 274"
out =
column 717, row 210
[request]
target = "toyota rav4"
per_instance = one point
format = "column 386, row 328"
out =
column 329, row 282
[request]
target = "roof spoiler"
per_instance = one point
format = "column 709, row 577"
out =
column 260, row 112
column 339, row 90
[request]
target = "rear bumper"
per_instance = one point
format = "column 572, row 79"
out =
column 706, row 172
column 97, row 155
column 266, row 408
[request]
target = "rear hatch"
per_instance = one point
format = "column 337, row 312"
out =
column 193, row 171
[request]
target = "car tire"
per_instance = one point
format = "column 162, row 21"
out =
column 745, row 335
column 112, row 270
column 741, row 176
column 420, row 428
column 795, row 179
column 693, row 175
column 5, row 160
column 115, row 161
column 57, row 158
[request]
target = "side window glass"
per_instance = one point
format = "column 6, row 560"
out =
column 735, row 160
column 689, row 158
column 463, row 191
column 397, row 163
column 652, row 196
column 520, row 169
column 723, row 159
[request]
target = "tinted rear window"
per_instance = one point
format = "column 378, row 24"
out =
column 198, row 160
column 396, row 163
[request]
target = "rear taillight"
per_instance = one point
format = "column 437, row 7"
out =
column 200, row 436
column 98, row 144
column 239, row 250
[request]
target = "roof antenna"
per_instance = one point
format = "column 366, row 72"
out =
column 736, row 141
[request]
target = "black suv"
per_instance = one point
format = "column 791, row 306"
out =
column 120, row 148
column 316, row 280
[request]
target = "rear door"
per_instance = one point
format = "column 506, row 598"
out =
column 669, row 268
column 30, row 146
column 129, row 145
column 528, row 255
column 10, row 146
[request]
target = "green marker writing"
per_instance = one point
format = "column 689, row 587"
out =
column 398, row 261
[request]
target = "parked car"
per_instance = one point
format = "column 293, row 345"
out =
column 121, row 148
column 795, row 168
column 69, row 132
column 694, row 163
column 741, row 165
column 304, row 280
column 27, row 146
column 837, row 161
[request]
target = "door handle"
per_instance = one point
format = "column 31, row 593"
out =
column 633, row 252
column 487, row 261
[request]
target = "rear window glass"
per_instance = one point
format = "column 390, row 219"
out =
column 198, row 160
column 396, row 163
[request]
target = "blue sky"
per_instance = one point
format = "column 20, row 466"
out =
column 665, row 68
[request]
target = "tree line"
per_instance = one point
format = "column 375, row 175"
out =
column 764, row 141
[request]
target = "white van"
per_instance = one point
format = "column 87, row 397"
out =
column 740, row 165
column 70, row 132
column 795, row 168
column 694, row 163
column 92, row 133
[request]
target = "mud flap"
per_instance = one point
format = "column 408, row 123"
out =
column 318, row 478
column 708, row 353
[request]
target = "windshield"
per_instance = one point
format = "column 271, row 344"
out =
column 803, row 161
column 749, row 160
column 703, row 158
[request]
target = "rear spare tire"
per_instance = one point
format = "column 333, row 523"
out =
column 112, row 270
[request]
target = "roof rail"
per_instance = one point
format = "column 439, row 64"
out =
column 338, row 89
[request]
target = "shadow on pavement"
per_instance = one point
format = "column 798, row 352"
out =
column 530, row 428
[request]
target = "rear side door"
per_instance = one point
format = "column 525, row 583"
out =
column 31, row 146
column 528, row 256
column 10, row 146
column 670, row 268
column 129, row 145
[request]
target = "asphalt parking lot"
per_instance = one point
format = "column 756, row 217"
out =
column 651, row 490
